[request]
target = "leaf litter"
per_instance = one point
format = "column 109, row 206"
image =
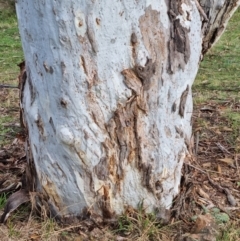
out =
column 211, row 173
column 210, row 179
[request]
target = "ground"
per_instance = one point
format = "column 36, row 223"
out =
column 207, row 207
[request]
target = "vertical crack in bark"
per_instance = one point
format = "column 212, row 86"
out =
column 31, row 88
column 83, row 63
column 21, row 84
column 52, row 125
column 134, row 43
column 104, row 203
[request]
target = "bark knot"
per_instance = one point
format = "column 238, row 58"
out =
column 145, row 73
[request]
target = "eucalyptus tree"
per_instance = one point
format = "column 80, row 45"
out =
column 106, row 98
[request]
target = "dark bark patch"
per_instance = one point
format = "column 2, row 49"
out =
column 63, row 103
column 179, row 44
column 52, row 125
column 83, row 63
column 147, row 176
column 48, row 69
column 31, row 89
column 39, row 123
column 179, row 131
column 63, row 68
column 183, row 101
column 21, row 84
column 134, row 39
column 134, row 43
column 98, row 21
column 174, row 107
column 100, row 169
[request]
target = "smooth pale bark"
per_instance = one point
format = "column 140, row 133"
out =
column 107, row 100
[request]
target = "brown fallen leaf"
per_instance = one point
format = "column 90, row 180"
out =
column 35, row 236
column 204, row 223
column 207, row 164
column 202, row 193
column 227, row 160
column 225, row 128
column 218, row 132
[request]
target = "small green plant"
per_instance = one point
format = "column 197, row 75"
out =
column 219, row 216
column 13, row 231
column 218, row 75
column 48, row 229
column 230, row 232
column 140, row 226
column 22, row 213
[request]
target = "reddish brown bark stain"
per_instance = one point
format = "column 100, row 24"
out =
column 83, row 63
column 98, row 21
column 39, row 123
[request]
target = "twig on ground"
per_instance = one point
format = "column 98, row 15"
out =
column 8, row 87
column 197, row 142
column 222, row 148
column 230, row 197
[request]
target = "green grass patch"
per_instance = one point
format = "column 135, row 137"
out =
column 217, row 82
column 219, row 74
column 7, row 131
column 3, row 200
column 10, row 46
column 10, row 56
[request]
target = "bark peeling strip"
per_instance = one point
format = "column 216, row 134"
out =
column 134, row 43
column 124, row 129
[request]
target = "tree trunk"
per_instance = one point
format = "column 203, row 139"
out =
column 107, row 99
